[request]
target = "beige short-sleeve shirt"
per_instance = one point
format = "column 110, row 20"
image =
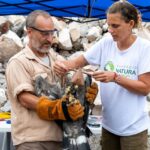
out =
column 20, row 75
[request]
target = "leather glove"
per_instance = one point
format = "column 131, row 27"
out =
column 58, row 110
column 92, row 92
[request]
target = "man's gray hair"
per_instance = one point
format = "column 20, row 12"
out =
column 31, row 18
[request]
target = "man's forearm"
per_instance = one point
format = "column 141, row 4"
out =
column 28, row 100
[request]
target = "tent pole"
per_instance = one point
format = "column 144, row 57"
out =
column 89, row 8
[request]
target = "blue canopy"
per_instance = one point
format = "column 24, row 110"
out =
column 69, row 8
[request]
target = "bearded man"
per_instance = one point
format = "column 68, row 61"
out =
column 33, row 118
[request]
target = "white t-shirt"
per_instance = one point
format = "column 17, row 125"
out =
column 46, row 60
column 124, row 112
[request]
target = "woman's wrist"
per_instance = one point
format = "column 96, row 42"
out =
column 116, row 77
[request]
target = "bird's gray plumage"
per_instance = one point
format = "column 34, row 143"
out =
column 74, row 132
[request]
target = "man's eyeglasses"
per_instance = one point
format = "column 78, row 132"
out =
column 46, row 32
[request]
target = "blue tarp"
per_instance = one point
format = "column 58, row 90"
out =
column 69, row 8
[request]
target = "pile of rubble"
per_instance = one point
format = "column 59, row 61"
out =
column 72, row 36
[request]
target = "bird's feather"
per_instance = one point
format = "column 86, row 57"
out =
column 74, row 132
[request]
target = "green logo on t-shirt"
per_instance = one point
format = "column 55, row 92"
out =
column 109, row 66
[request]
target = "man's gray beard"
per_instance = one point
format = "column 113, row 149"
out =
column 43, row 50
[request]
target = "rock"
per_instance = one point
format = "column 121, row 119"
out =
column 74, row 29
column 18, row 28
column 77, row 46
column 2, row 96
column 105, row 27
column 2, row 20
column 87, row 46
column 94, row 33
column 64, row 53
column 59, row 24
column 83, row 30
column 16, row 18
column 18, row 23
column 64, row 39
column 143, row 32
column 7, row 49
column 12, row 35
column 6, row 107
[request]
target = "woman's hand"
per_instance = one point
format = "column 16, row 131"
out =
column 104, row 76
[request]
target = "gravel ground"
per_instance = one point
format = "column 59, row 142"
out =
column 94, row 142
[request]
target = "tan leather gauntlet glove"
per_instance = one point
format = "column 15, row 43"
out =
column 92, row 92
column 58, row 110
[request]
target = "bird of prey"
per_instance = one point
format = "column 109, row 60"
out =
column 75, row 85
